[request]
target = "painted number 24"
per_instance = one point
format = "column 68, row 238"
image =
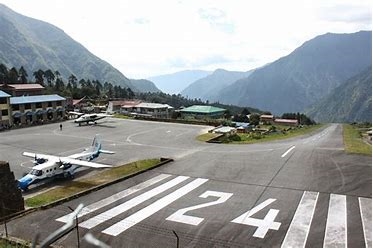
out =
column 263, row 225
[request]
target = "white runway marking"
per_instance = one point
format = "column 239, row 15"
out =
column 336, row 223
column 109, row 200
column 289, row 150
column 299, row 228
column 90, row 223
column 144, row 213
column 366, row 218
column 263, row 225
column 180, row 216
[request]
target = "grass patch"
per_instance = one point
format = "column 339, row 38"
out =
column 256, row 137
column 121, row 116
column 74, row 187
column 8, row 244
column 207, row 136
column 353, row 141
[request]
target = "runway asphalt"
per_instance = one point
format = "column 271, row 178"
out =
column 301, row 192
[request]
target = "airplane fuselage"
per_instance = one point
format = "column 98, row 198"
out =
column 88, row 118
column 46, row 170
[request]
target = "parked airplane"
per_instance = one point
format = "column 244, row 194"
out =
column 48, row 166
column 87, row 118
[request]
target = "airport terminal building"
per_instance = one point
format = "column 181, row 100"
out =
column 37, row 109
column 25, row 104
column 5, row 112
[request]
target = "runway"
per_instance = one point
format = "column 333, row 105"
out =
column 300, row 192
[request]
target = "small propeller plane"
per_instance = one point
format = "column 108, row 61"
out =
column 87, row 118
column 48, row 166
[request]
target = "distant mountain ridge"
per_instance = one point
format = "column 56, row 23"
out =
column 174, row 83
column 144, row 85
column 36, row 45
column 296, row 81
column 207, row 88
column 349, row 102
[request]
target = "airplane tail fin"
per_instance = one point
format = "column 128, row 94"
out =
column 96, row 145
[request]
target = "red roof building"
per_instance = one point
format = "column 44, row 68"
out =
column 22, row 89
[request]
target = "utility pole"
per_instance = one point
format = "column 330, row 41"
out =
column 76, row 226
column 3, row 212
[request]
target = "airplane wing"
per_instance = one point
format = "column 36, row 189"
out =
column 76, row 113
column 66, row 160
column 39, row 156
column 104, row 115
column 83, row 163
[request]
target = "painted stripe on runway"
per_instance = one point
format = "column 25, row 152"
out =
column 111, row 199
column 289, row 150
column 336, row 223
column 366, row 219
column 90, row 223
column 299, row 228
column 144, row 213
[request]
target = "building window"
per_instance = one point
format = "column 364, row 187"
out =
column 28, row 106
column 49, row 104
column 4, row 112
column 3, row 100
column 38, row 105
column 15, row 107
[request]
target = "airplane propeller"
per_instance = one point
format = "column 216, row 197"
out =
column 63, row 165
column 38, row 160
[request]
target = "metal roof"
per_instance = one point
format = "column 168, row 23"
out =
column 3, row 94
column 24, row 86
column 152, row 105
column 34, row 99
column 224, row 129
column 203, row 109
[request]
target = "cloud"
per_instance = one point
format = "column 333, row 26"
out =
column 141, row 21
column 211, row 62
column 346, row 13
column 217, row 19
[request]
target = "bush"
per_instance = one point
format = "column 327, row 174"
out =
column 256, row 136
column 235, row 137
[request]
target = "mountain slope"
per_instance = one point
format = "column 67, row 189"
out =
column 350, row 102
column 174, row 83
column 208, row 87
column 144, row 85
column 36, row 45
column 295, row 82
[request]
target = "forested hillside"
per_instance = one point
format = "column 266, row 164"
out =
column 312, row 71
column 33, row 44
column 350, row 102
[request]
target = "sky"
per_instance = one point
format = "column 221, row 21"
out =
column 144, row 38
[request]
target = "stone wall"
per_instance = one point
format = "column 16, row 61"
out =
column 11, row 200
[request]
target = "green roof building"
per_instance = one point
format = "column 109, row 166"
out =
column 202, row 111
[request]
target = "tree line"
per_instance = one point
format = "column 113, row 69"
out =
column 54, row 84
column 94, row 89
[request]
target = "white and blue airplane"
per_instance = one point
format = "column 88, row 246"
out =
column 49, row 166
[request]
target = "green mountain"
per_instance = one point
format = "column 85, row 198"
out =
column 207, row 88
column 144, row 85
column 349, row 102
column 174, row 83
column 36, row 45
column 312, row 71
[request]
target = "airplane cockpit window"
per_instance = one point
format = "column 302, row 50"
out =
column 36, row 172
